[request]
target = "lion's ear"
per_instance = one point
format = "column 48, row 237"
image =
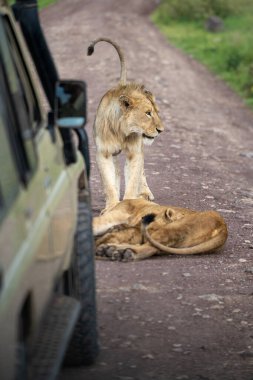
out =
column 151, row 98
column 149, row 95
column 125, row 102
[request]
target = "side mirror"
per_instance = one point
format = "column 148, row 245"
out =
column 70, row 104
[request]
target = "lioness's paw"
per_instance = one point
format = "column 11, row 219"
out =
column 114, row 253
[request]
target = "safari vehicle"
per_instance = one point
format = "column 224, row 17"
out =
column 47, row 285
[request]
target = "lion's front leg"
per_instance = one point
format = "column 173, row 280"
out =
column 110, row 178
column 125, row 252
column 145, row 191
column 139, row 187
column 133, row 170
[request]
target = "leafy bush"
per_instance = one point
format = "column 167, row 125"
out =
column 249, row 84
column 194, row 10
column 222, row 8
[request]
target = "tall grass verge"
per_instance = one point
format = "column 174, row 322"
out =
column 229, row 53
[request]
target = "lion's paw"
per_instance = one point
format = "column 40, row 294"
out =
column 147, row 195
column 114, row 253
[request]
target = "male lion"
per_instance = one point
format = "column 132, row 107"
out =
column 136, row 229
column 126, row 117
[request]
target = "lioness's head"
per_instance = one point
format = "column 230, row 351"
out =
column 140, row 113
column 163, row 216
column 159, row 221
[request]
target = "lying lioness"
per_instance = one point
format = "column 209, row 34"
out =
column 136, row 229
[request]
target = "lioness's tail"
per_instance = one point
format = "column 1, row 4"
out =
column 90, row 51
column 207, row 246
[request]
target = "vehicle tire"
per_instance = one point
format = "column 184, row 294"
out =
column 21, row 362
column 80, row 284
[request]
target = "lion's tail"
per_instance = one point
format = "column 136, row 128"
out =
column 207, row 246
column 123, row 73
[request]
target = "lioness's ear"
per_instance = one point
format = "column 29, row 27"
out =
column 168, row 213
column 125, row 102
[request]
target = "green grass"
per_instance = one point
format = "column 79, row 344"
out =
column 229, row 53
column 45, row 3
column 41, row 3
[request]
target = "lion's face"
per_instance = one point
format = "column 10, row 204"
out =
column 141, row 115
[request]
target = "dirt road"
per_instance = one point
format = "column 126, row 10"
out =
column 171, row 317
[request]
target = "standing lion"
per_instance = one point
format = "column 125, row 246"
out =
column 127, row 117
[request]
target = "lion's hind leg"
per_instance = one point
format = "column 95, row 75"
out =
column 110, row 178
column 125, row 252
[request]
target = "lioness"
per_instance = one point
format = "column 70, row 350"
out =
column 126, row 117
column 136, row 229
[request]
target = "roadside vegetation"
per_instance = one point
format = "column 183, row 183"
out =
column 228, row 51
column 45, row 3
column 41, row 3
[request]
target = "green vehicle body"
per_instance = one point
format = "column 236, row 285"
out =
column 38, row 208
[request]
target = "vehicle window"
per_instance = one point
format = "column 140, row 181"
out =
column 9, row 179
column 17, row 72
column 22, row 102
